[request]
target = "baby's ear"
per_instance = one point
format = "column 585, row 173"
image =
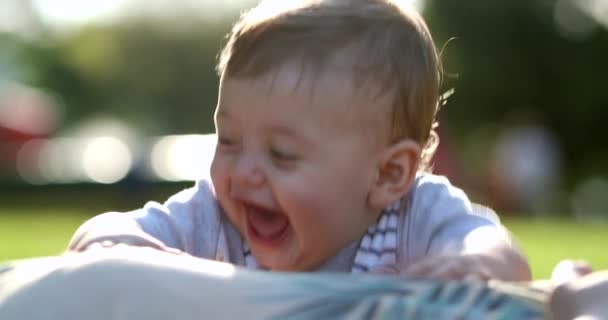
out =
column 396, row 169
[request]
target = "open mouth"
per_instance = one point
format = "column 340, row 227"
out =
column 265, row 227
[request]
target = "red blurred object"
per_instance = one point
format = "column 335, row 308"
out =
column 26, row 114
column 12, row 135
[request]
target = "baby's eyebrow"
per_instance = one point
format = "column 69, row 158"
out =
column 289, row 132
column 283, row 130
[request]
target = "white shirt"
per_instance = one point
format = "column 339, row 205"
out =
column 435, row 217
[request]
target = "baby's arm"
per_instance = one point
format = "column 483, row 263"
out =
column 499, row 255
column 112, row 228
column 189, row 222
column 485, row 255
column 484, row 258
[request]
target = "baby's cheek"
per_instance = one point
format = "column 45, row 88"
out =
column 308, row 208
column 216, row 173
column 220, row 175
column 306, row 203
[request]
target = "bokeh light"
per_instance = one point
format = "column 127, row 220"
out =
column 74, row 11
column 183, row 157
column 74, row 160
column 106, row 160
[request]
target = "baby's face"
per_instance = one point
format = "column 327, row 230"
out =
column 294, row 164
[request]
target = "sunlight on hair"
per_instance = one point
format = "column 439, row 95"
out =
column 417, row 4
column 268, row 7
column 106, row 160
column 183, row 157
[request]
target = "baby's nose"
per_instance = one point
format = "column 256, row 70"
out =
column 247, row 172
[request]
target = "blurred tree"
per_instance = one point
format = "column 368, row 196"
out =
column 513, row 55
column 508, row 56
column 157, row 77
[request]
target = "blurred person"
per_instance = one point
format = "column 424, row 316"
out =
column 446, row 160
column 525, row 168
column 26, row 113
column 325, row 124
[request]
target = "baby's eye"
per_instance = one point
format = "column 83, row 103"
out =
column 282, row 156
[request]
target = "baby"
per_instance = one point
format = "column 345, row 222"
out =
column 324, row 127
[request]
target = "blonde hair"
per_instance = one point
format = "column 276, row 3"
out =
column 389, row 41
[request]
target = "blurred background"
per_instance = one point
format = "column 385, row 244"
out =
column 105, row 105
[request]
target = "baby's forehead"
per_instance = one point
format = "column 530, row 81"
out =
column 331, row 82
column 331, row 92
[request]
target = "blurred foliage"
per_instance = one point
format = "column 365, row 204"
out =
column 509, row 62
column 158, row 78
column 514, row 64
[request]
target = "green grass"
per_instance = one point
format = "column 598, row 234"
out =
column 547, row 241
column 25, row 233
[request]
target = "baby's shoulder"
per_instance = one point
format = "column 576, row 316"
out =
column 201, row 191
column 435, row 198
column 194, row 205
column 431, row 189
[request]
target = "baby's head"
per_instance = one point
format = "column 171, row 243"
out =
column 382, row 46
column 325, row 111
